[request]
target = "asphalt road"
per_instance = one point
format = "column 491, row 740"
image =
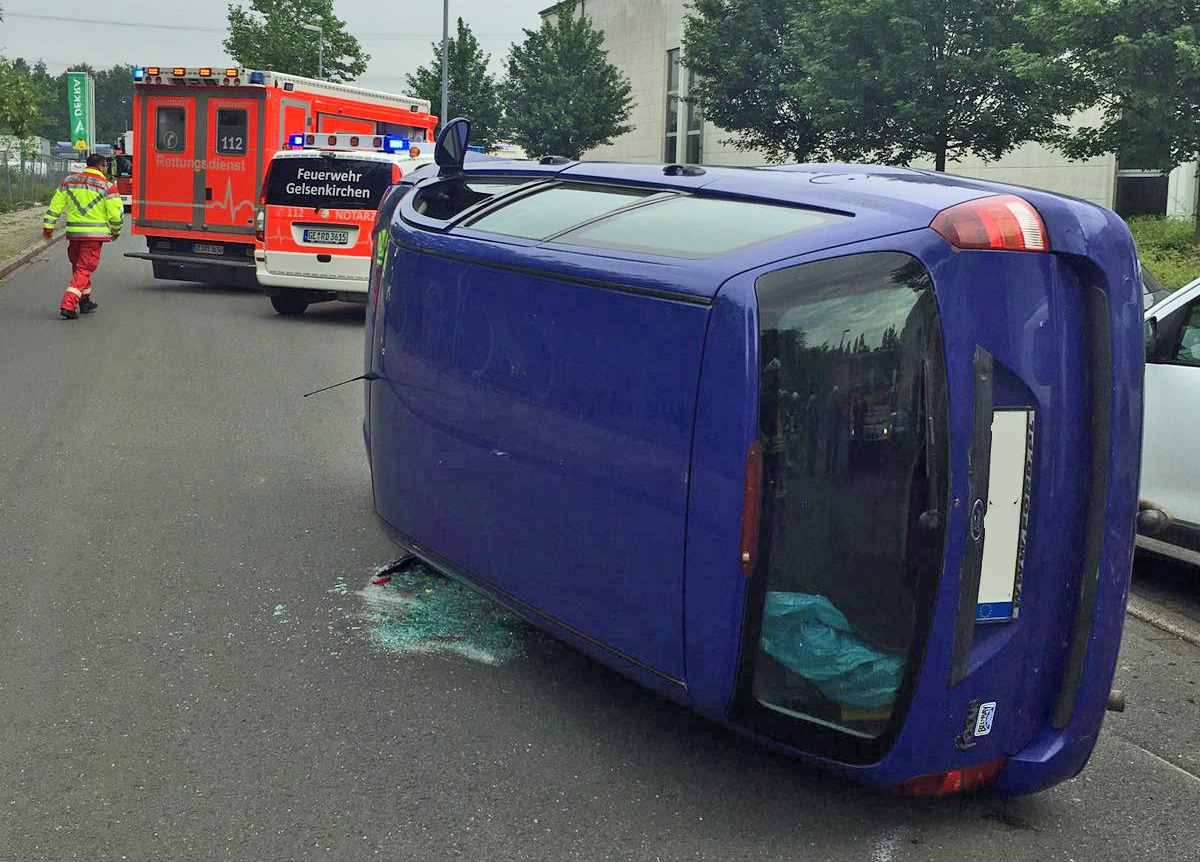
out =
column 191, row 664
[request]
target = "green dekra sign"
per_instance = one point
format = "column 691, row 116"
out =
column 79, row 108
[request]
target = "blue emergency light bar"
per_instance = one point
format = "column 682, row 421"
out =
column 139, row 74
column 390, row 144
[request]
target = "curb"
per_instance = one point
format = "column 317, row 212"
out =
column 1163, row 620
column 14, row 263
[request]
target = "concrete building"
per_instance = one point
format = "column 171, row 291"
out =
column 644, row 39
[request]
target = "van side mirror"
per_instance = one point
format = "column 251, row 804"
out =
column 451, row 147
column 1151, row 334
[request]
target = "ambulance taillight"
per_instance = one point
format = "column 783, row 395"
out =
column 260, row 214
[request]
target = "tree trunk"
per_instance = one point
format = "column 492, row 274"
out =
column 1196, row 208
column 939, row 159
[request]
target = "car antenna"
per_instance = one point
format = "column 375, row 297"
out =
column 370, row 375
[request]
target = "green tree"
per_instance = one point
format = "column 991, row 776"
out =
column 1141, row 65
column 894, row 80
column 564, row 96
column 20, row 104
column 269, row 35
column 744, row 80
column 474, row 93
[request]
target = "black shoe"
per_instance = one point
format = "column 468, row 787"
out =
column 68, row 314
column 87, row 306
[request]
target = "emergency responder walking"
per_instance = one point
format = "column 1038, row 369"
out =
column 94, row 216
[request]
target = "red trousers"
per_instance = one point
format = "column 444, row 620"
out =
column 84, row 255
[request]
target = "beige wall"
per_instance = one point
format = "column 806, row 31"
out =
column 1042, row 168
column 638, row 34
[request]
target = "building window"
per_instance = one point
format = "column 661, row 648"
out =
column 1141, row 193
column 695, row 126
column 671, row 142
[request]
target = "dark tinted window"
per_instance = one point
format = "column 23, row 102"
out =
column 695, row 227
column 1187, row 351
column 556, row 209
column 231, row 132
column 315, row 182
column 855, row 487
column 123, row 166
column 1144, row 194
column 451, row 197
column 170, row 130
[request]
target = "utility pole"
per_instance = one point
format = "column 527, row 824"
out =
column 320, row 47
column 445, row 61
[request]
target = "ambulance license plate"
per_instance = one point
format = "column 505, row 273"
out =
column 328, row 237
column 207, row 248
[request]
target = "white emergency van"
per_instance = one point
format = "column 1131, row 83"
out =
column 316, row 213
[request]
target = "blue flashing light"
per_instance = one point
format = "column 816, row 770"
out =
column 296, row 142
column 139, row 74
column 258, row 78
column 395, row 144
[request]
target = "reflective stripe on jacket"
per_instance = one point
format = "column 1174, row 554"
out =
column 91, row 204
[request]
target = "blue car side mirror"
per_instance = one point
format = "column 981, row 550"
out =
column 451, row 147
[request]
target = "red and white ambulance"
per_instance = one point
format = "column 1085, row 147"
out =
column 203, row 137
column 317, row 211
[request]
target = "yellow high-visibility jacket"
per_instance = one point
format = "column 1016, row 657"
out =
column 92, row 206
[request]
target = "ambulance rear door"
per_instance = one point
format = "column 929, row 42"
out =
column 233, row 153
column 170, row 193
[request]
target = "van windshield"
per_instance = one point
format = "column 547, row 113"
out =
column 321, row 182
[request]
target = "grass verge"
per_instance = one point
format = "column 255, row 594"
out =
column 1167, row 246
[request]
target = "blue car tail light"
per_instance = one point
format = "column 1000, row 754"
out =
column 998, row 223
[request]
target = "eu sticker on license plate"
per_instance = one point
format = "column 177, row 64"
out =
column 328, row 237
column 207, row 248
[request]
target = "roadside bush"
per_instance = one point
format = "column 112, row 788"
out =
column 1167, row 246
column 1173, row 270
column 1164, row 234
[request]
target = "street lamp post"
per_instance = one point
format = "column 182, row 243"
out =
column 320, row 47
column 445, row 61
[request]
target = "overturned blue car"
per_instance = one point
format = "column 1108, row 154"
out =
column 844, row 458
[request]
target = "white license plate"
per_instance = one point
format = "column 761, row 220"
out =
column 1006, row 517
column 328, row 237
column 207, row 248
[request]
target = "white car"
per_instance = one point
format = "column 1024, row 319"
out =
column 315, row 220
column 1171, row 433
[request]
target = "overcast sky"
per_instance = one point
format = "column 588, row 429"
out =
column 177, row 33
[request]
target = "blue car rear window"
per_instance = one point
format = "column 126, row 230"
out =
column 695, row 227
